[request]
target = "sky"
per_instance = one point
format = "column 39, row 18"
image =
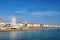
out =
column 31, row 11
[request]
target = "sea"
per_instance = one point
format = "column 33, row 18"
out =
column 53, row 34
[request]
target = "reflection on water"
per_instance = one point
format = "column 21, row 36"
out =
column 31, row 35
column 13, row 35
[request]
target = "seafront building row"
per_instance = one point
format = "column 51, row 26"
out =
column 14, row 24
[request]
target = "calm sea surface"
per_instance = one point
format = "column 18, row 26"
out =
column 31, row 35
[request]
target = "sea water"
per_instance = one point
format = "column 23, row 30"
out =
column 31, row 35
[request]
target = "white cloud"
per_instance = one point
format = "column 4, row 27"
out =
column 39, row 13
column 49, row 13
column 21, row 11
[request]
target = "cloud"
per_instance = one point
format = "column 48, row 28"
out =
column 39, row 13
column 47, row 13
column 21, row 11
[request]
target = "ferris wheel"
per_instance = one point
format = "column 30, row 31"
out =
column 12, row 18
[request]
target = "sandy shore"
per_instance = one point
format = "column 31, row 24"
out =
column 22, row 29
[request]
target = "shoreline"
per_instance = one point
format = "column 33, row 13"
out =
column 25, row 29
